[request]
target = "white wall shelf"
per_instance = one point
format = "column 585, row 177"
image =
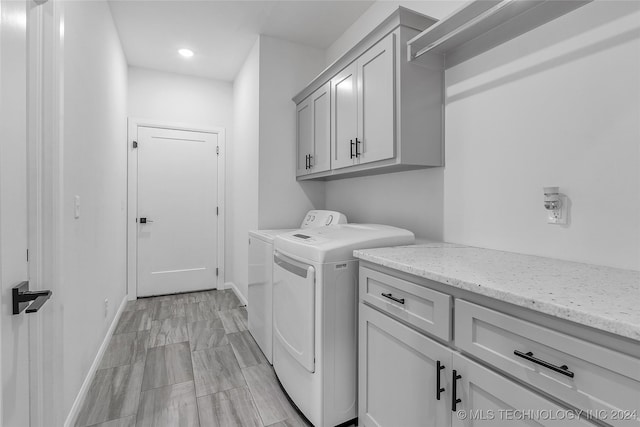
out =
column 484, row 24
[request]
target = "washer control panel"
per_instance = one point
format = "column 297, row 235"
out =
column 321, row 218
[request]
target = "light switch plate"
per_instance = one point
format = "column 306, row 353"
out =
column 76, row 207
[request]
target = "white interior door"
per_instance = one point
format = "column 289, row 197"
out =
column 177, row 197
column 14, row 329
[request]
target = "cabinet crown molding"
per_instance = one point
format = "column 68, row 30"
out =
column 401, row 17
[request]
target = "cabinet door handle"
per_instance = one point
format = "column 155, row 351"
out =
column 439, row 389
column 351, row 155
column 454, row 391
column 392, row 298
column 357, row 152
column 310, row 157
column 564, row 369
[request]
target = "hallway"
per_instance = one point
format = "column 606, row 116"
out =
column 185, row 360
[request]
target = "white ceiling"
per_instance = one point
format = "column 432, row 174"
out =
column 221, row 33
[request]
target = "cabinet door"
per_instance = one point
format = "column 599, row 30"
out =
column 376, row 102
column 489, row 399
column 398, row 374
column 344, row 126
column 321, row 112
column 304, row 135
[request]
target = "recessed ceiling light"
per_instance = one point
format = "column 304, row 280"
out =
column 187, row 53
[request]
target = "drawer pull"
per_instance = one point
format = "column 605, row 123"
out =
column 564, row 369
column 392, row 298
column 439, row 367
column 454, row 391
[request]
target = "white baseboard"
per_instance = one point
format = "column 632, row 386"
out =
column 234, row 288
column 82, row 394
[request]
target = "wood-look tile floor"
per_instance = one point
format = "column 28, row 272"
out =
column 185, row 360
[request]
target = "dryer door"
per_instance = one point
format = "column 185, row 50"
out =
column 294, row 308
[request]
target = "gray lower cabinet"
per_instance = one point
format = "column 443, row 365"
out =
column 398, row 375
column 427, row 358
column 407, row 380
column 489, row 399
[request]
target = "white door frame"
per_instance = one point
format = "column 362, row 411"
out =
column 132, row 196
column 45, row 143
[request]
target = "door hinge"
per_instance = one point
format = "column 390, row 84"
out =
column 135, row 144
column 216, row 271
column 218, row 150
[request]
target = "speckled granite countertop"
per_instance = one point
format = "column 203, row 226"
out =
column 600, row 297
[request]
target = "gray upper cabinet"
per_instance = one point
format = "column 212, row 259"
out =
column 304, row 136
column 385, row 113
column 344, row 123
column 363, row 108
column 376, row 102
column 313, row 133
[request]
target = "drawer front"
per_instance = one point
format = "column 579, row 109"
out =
column 426, row 309
column 604, row 383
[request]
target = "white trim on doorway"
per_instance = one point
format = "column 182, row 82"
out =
column 45, row 165
column 132, row 195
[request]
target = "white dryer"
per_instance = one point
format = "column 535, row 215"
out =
column 261, row 272
column 315, row 279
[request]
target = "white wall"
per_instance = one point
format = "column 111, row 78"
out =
column 95, row 111
column 261, row 180
column 518, row 118
column 172, row 97
column 242, row 169
column 285, row 69
column 412, row 200
column 524, row 116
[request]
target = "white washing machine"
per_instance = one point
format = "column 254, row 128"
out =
column 315, row 279
column 261, row 273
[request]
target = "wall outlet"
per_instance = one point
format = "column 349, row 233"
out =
column 106, row 307
column 559, row 216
